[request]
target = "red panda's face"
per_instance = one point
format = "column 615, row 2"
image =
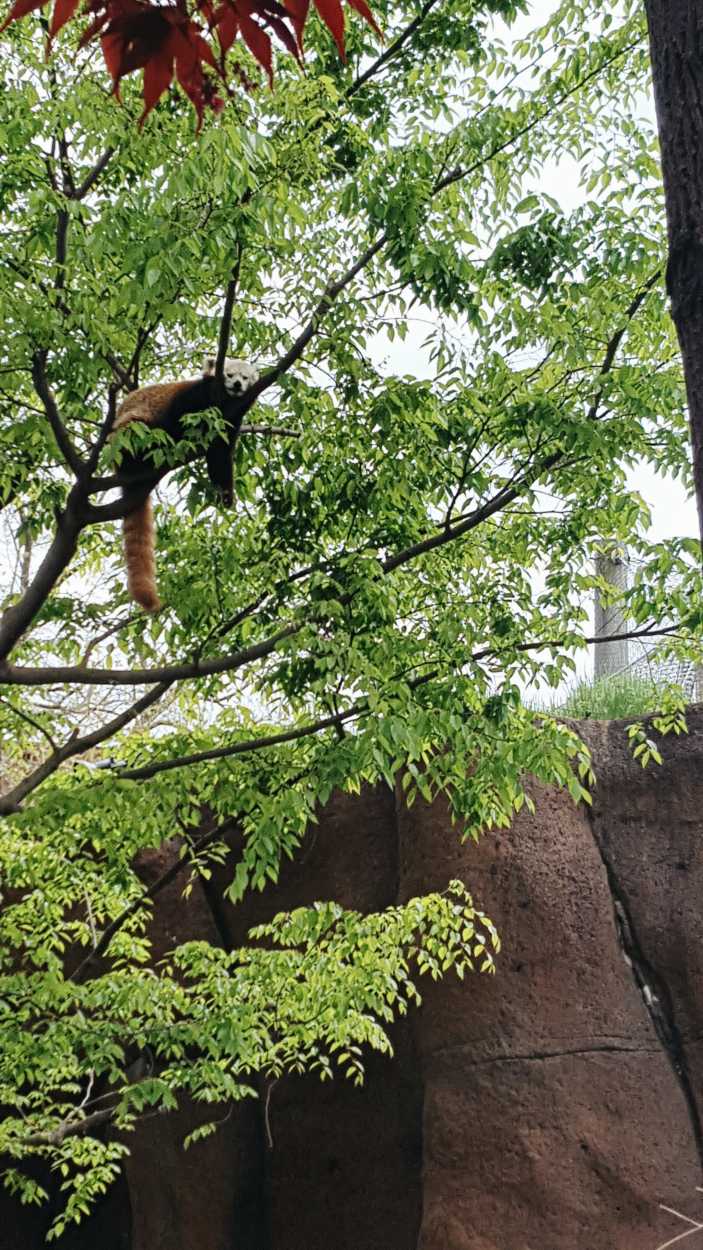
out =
column 238, row 375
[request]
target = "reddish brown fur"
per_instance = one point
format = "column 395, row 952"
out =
column 138, row 534
column 148, row 405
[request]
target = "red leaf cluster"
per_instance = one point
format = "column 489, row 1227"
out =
column 169, row 40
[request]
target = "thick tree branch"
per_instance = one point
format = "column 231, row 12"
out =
column 68, row 1128
column 226, row 319
column 92, row 176
column 149, row 477
column 41, row 385
column 75, row 674
column 59, row 555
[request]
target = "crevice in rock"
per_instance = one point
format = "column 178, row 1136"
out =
column 418, row 1154
column 216, row 905
column 397, row 798
column 563, row 1053
column 653, row 988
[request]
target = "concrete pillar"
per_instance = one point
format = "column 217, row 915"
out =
column 610, row 657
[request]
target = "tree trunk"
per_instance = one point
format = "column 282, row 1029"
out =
column 676, row 46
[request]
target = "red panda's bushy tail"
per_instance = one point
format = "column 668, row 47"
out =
column 138, row 534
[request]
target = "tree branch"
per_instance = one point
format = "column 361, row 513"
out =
column 461, row 172
column 68, row 1128
column 615, row 341
column 449, row 533
column 331, row 291
column 29, row 720
column 91, row 178
column 391, row 50
column 243, row 748
column 358, row 709
column 168, row 875
column 75, row 674
column 63, row 441
column 10, row 802
column 59, row 555
column 226, row 320
column 540, row 643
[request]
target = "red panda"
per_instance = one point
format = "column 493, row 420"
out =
column 163, row 405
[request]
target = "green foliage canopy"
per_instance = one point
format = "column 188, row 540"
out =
column 411, row 545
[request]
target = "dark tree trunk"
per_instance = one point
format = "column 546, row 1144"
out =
column 676, row 45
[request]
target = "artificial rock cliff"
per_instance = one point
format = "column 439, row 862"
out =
column 555, row 1106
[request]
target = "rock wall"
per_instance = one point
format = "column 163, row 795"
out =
column 556, row 1106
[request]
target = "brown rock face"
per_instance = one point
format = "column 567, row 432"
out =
column 555, row 1106
column 554, row 1117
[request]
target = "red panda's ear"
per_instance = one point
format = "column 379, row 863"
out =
column 209, row 366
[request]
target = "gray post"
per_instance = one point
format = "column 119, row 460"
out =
column 610, row 657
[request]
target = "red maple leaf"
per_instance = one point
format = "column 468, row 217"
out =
column 166, row 40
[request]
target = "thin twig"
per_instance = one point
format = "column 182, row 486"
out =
column 141, row 901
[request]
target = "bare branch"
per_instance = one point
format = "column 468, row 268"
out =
column 108, row 633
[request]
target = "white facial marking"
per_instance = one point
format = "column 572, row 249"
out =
column 238, row 375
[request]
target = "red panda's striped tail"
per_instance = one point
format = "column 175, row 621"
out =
column 138, row 533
